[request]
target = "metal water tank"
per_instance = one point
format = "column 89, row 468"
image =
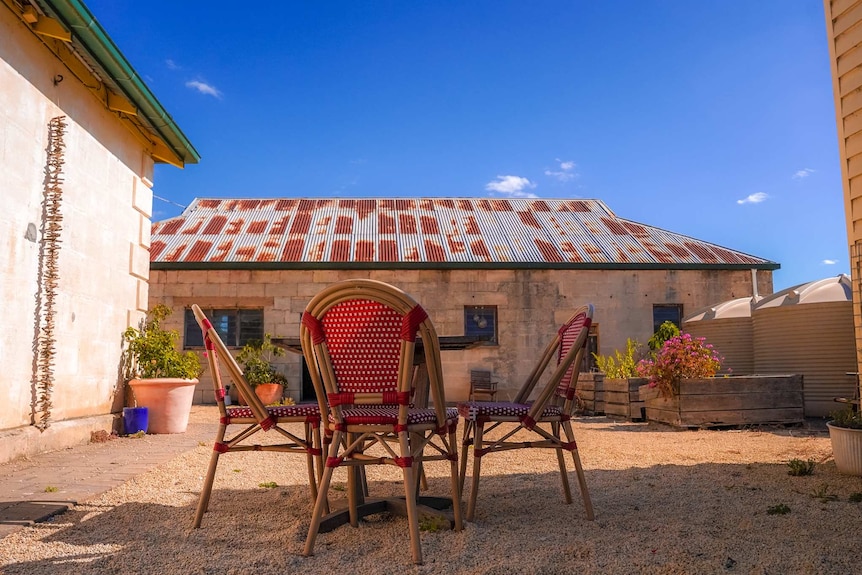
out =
column 728, row 327
column 808, row 329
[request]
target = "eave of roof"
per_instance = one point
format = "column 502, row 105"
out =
column 90, row 40
column 425, row 233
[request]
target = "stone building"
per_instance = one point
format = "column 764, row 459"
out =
column 511, row 269
column 79, row 135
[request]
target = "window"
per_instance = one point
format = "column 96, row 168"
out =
column 235, row 326
column 666, row 312
column 481, row 321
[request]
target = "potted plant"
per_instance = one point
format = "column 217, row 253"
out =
column 845, row 432
column 256, row 357
column 162, row 378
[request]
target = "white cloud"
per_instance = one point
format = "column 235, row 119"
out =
column 204, row 88
column 172, row 65
column 514, row 186
column 565, row 173
column 803, row 173
column 830, row 262
column 755, row 198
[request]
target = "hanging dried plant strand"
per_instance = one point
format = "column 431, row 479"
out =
column 51, row 228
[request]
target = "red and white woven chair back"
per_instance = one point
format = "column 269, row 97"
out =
column 573, row 338
column 359, row 336
column 364, row 342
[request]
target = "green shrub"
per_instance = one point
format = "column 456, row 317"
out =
column 799, row 467
column 847, row 417
column 780, row 509
column 620, row 365
column 665, row 331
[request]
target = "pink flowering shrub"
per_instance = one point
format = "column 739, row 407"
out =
column 680, row 357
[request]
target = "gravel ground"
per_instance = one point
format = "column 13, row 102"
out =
column 666, row 502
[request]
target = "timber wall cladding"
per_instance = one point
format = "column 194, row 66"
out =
column 844, row 34
column 730, row 401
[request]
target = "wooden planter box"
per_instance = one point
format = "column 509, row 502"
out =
column 622, row 397
column 727, row 401
column 590, row 391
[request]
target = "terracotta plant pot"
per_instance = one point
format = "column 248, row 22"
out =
column 846, row 449
column 269, row 392
column 169, row 401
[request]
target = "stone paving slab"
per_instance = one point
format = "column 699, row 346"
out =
column 45, row 485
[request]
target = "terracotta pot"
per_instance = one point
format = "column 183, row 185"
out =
column 846, row 449
column 169, row 401
column 269, row 392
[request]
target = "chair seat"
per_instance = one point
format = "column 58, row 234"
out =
column 305, row 411
column 388, row 415
column 489, row 410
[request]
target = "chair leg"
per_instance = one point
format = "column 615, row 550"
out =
column 309, row 459
column 456, row 480
column 561, row 460
column 318, row 459
column 206, row 490
column 582, row 480
column 410, row 499
column 465, row 445
column 320, row 503
column 354, row 478
column 477, row 463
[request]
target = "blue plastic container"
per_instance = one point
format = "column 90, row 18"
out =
column 135, row 419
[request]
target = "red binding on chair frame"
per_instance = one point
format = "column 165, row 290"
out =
column 254, row 418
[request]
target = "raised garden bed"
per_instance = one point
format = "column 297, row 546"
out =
column 729, row 401
column 590, row 392
column 622, row 397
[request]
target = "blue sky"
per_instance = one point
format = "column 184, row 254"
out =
column 713, row 118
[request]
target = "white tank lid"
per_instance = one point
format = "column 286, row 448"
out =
column 832, row 289
column 739, row 307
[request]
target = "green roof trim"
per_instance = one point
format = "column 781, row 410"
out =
column 88, row 34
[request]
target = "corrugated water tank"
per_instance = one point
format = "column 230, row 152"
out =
column 728, row 327
column 808, row 329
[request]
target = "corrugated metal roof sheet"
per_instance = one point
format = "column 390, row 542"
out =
column 425, row 231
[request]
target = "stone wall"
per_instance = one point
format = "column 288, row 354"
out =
column 531, row 304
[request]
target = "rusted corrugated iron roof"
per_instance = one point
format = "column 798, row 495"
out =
column 427, row 232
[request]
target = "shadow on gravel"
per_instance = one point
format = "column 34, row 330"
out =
column 703, row 518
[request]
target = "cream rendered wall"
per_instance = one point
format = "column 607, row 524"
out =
column 103, row 257
column 531, row 304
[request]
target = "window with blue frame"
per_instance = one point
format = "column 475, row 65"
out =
column 666, row 312
column 235, row 327
column 481, row 321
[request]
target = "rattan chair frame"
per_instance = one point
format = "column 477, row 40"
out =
column 419, row 442
column 474, row 434
column 262, row 419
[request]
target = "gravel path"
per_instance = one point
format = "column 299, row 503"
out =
column 666, row 501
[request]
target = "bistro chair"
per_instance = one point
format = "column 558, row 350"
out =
column 359, row 339
column 253, row 418
column 481, row 384
column 552, row 409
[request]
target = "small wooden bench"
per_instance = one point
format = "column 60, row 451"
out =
column 481, row 384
